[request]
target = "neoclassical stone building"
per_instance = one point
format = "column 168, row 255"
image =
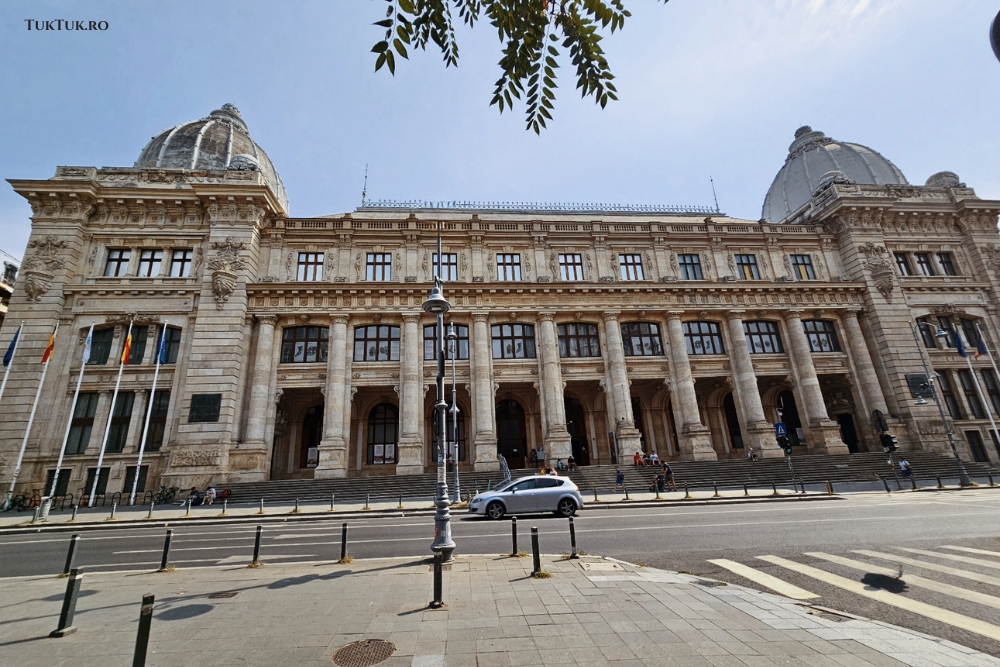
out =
column 297, row 347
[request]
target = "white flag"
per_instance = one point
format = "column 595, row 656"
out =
column 86, row 345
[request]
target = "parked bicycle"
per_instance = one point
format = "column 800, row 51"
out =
column 165, row 495
column 25, row 500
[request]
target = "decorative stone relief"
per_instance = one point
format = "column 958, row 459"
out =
column 881, row 268
column 186, row 458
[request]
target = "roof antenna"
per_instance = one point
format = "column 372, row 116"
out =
column 713, row 194
column 364, row 190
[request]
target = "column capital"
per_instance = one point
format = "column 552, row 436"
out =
column 341, row 319
column 411, row 318
column 735, row 314
column 854, row 310
column 611, row 315
column 675, row 314
column 267, row 319
column 793, row 313
column 480, row 317
column 546, row 315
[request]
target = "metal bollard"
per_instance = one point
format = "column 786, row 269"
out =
column 343, row 542
column 296, row 510
column 333, row 498
column 774, row 489
column 166, row 550
column 913, row 483
column 626, row 493
column 990, row 475
column 400, row 502
column 114, row 506
column 536, row 559
column 75, row 508
column 71, row 555
column 829, row 488
column 188, row 512
column 940, row 485
column 261, row 506
column 595, row 495
column 885, row 484
column 142, row 638
column 150, row 515
column 715, row 485
column 437, row 602
column 368, row 498
column 256, row 548
column 572, row 539
column 657, row 491
column 746, row 491
column 513, row 536
column 225, row 506
column 66, row 626
column 687, row 493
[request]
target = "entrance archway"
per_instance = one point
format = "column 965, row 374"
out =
column 312, row 433
column 382, row 436
column 732, row 422
column 790, row 417
column 511, row 434
column 848, row 433
column 577, row 426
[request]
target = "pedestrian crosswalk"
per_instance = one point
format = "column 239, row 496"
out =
column 935, row 583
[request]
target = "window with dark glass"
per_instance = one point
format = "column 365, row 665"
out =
column 578, row 339
column 379, row 267
column 803, row 267
column 746, row 267
column 130, row 478
column 304, row 344
column 117, row 264
column 944, row 384
column 992, row 388
column 513, row 341
column 903, row 264
column 139, row 337
column 180, row 264
column 100, row 346
column 822, row 335
column 944, row 324
column 762, row 337
column 157, row 420
column 630, row 267
column 62, row 486
column 83, row 422
column 926, row 332
column 149, row 263
column 376, row 342
column 459, row 433
column 923, row 261
column 449, row 265
column 703, row 337
column 171, row 341
column 311, row 267
column 383, row 429
column 641, row 339
column 969, row 330
column 946, row 264
column 508, row 266
column 430, row 342
column 971, row 395
column 690, row 267
column 102, row 481
column 120, row 418
column 9, row 273
column 571, row 267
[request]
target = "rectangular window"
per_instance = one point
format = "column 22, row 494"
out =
column 946, row 264
column 992, row 388
column 690, row 267
column 926, row 333
column 376, row 342
column 508, row 266
column 62, row 487
column 102, row 481
column 120, row 417
column 157, row 420
column 944, row 324
column 130, row 478
column 430, row 342
column 100, row 346
column 379, row 267
column 311, row 267
column 703, row 337
column 971, row 395
column 180, row 264
column 746, row 267
column 762, row 337
column 139, row 336
column 304, row 344
column 171, row 341
column 641, row 339
column 117, row 263
column 83, row 422
column 578, row 339
column 149, row 263
column 944, row 384
column 971, row 335
column 976, row 446
column 924, row 266
column 822, row 336
column 571, row 267
column 802, row 266
column 449, row 266
column 903, row 264
column 205, row 408
column 630, row 267
column 513, row 341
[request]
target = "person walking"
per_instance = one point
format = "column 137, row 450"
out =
column 668, row 476
column 905, row 468
column 619, row 479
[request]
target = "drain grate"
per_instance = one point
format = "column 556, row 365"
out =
column 228, row 594
column 363, row 653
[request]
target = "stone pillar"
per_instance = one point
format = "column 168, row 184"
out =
column 261, row 401
column 757, row 431
column 626, row 433
column 136, row 421
column 485, row 439
column 694, row 438
column 822, row 433
column 556, row 439
column 867, row 378
column 411, row 444
column 333, row 446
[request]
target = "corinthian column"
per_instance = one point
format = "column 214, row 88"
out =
column 626, row 433
column 411, row 445
column 333, row 447
column 557, row 442
column 485, row 438
column 757, row 431
column 261, row 404
column 822, row 433
column 694, row 439
column 867, row 378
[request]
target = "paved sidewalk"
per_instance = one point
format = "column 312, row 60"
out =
column 592, row 612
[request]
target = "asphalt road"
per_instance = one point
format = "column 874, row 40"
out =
column 675, row 538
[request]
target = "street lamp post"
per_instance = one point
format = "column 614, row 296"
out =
column 453, row 410
column 963, row 476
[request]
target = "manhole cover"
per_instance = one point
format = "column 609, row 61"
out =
column 364, row 653
column 229, row 594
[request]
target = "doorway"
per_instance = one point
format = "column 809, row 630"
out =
column 312, row 433
column 577, row 428
column 789, row 414
column 847, row 432
column 511, row 433
column 732, row 422
column 977, row 447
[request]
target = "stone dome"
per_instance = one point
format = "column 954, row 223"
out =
column 220, row 141
column 814, row 160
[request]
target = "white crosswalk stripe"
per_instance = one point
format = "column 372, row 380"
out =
column 970, row 550
column 774, row 583
column 944, row 569
column 960, row 559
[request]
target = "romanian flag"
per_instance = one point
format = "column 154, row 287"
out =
column 48, row 348
column 127, row 351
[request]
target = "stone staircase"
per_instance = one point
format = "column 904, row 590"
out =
column 728, row 473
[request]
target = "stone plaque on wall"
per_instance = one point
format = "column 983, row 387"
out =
column 205, row 408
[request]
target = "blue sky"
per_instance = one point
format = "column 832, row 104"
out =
column 706, row 87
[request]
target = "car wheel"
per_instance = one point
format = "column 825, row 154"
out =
column 495, row 510
column 567, row 508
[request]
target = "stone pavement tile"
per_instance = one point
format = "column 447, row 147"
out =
column 454, row 660
column 524, row 658
column 725, row 661
column 555, row 656
column 498, row 659
column 609, row 639
column 544, row 643
column 738, row 648
column 459, row 646
column 619, row 652
column 851, row 660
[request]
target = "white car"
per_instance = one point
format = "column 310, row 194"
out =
column 538, row 493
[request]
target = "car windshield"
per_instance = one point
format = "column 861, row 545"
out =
column 506, row 485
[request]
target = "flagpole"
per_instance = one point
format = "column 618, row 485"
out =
column 149, row 413
column 996, row 372
column 13, row 351
column 31, row 418
column 72, row 411
column 979, row 390
column 107, row 428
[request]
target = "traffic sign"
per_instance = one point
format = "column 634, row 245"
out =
column 780, row 429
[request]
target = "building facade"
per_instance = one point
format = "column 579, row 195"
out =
column 7, row 280
column 298, row 348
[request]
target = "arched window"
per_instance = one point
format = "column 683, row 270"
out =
column 641, row 339
column 703, row 337
column 822, row 335
column 383, row 432
column 100, row 346
column 460, row 431
column 762, row 337
column 304, row 344
column 578, row 340
column 513, row 341
column 430, row 341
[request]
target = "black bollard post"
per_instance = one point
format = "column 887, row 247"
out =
column 885, row 484
column 437, row 602
column 400, row 502
column 715, row 485
column 536, row 559
column 75, row 508
column 261, row 506
column 142, row 638
column 513, row 536
column 333, row 499
column 913, row 483
column 296, row 510
column 829, row 488
column 572, row 539
column 166, row 551
column 343, row 542
column 595, row 494
column 940, row 485
column 256, row 548
column 746, row 491
column 990, row 475
column 66, row 626
column 150, row 515
column 687, row 493
column 774, row 489
column 368, row 498
column 71, row 555
column 114, row 506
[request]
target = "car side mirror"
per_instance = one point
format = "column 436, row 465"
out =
column 513, row 490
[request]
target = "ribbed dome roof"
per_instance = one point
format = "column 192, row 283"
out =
column 813, row 156
column 220, row 141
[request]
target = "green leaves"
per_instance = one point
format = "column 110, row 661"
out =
column 530, row 30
